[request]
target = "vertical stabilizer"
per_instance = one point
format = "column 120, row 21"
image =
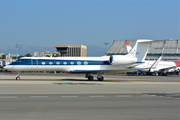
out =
column 140, row 50
column 128, row 47
column 141, row 47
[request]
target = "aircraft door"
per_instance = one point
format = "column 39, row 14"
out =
column 34, row 64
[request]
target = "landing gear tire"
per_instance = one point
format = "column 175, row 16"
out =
column 17, row 78
column 90, row 78
column 178, row 73
column 101, row 78
column 155, row 74
column 165, row 74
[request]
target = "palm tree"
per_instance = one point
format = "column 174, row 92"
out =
column 28, row 55
column 57, row 55
column 21, row 56
column 3, row 56
column 47, row 56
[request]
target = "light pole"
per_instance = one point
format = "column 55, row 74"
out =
column 17, row 46
column 106, row 47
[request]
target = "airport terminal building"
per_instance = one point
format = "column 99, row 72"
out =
column 72, row 50
column 169, row 49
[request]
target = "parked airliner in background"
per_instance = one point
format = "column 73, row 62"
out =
column 87, row 65
column 157, row 67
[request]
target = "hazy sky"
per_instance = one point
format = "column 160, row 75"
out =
column 86, row 22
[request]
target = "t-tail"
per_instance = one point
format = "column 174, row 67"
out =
column 136, row 55
column 140, row 50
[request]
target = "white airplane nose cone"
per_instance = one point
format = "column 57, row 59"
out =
column 8, row 67
column 5, row 67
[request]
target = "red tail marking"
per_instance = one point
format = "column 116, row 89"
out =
column 127, row 43
column 177, row 63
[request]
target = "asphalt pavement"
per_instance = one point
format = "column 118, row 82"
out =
column 72, row 97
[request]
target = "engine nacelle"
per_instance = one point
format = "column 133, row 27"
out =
column 122, row 60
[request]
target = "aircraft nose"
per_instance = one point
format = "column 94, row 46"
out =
column 7, row 67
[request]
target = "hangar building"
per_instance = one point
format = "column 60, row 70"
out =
column 169, row 49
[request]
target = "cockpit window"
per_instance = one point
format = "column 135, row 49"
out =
column 20, row 60
column 17, row 60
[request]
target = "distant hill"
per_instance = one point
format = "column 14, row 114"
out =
column 92, row 50
column 24, row 49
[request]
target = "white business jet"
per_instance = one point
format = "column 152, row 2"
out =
column 87, row 65
column 158, row 66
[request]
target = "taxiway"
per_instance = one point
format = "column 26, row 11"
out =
column 72, row 97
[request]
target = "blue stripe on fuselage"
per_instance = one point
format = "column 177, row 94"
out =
column 56, row 62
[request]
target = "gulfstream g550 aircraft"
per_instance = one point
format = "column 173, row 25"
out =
column 87, row 65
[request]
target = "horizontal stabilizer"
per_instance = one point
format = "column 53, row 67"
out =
column 141, row 47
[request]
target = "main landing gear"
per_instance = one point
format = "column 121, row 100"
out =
column 91, row 78
column 178, row 72
column 18, row 76
column 100, row 77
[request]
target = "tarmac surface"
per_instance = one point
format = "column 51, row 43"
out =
column 38, row 96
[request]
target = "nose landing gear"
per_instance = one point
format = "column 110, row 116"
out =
column 18, row 76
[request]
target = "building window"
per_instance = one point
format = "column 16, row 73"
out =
column 79, row 63
column 72, row 63
column 57, row 63
column 43, row 63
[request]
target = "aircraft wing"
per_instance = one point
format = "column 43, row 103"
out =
column 156, row 63
column 151, row 41
column 134, row 65
column 108, row 70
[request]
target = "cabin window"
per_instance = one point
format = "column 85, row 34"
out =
column 65, row 63
column 43, row 63
column 72, row 63
column 50, row 63
column 57, row 63
column 85, row 63
column 79, row 63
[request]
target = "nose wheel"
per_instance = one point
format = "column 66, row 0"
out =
column 18, row 76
